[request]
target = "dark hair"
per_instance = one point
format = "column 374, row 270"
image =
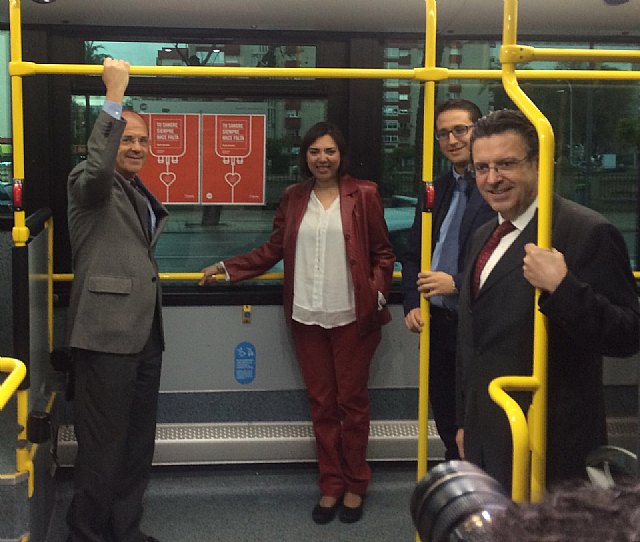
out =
column 508, row 120
column 458, row 103
column 574, row 512
column 316, row 131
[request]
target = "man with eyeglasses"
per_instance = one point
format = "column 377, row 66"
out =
column 587, row 292
column 115, row 322
column 458, row 210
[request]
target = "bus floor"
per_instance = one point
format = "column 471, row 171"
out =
column 265, row 502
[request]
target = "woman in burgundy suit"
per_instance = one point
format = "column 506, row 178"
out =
column 331, row 234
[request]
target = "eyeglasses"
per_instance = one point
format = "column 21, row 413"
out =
column 458, row 131
column 130, row 140
column 502, row 166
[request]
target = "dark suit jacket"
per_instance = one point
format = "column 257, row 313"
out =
column 476, row 213
column 593, row 312
column 116, row 288
column 369, row 252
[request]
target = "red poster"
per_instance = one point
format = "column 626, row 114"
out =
column 171, row 170
column 233, row 159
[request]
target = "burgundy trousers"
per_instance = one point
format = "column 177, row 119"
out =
column 335, row 368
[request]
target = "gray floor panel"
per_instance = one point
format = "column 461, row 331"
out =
column 269, row 503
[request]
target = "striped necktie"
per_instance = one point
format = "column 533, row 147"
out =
column 484, row 255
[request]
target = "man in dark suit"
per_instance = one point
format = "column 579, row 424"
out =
column 458, row 210
column 588, row 295
column 115, row 322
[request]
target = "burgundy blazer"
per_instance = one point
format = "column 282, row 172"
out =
column 369, row 252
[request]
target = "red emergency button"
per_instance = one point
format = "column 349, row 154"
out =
column 17, row 194
column 429, row 196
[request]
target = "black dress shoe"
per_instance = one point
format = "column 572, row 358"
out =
column 351, row 515
column 324, row 514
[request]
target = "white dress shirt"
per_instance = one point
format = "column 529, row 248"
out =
column 520, row 223
column 322, row 287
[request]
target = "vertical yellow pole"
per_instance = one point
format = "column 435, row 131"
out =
column 425, row 254
column 538, row 411
column 20, row 232
column 425, row 258
column 23, row 457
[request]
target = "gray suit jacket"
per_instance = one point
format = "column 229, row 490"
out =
column 116, row 288
column 593, row 313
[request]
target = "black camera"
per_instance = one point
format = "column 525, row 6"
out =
column 456, row 501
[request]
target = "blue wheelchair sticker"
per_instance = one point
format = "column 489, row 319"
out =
column 244, row 363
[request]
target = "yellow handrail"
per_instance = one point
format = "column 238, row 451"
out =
column 17, row 371
column 427, row 223
column 24, row 69
column 538, row 410
column 519, row 429
column 278, row 275
column 514, row 53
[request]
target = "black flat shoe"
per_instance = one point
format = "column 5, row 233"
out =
column 351, row 515
column 324, row 514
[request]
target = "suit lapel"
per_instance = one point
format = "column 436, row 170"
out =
column 474, row 204
column 442, row 201
column 347, row 201
column 512, row 258
column 296, row 207
column 138, row 203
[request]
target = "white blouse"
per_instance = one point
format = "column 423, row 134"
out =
column 322, row 287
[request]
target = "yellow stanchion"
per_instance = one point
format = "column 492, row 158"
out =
column 425, row 249
column 538, row 411
column 23, row 455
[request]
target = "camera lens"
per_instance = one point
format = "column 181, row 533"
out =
column 455, row 501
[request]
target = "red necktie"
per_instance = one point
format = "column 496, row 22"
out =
column 502, row 230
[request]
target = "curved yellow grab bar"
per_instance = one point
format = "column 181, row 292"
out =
column 519, row 430
column 17, row 371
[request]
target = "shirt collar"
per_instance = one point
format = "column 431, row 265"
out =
column 521, row 222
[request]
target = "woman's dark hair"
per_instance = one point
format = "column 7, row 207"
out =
column 316, row 131
column 508, row 120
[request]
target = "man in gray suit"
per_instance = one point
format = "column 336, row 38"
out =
column 588, row 295
column 115, row 322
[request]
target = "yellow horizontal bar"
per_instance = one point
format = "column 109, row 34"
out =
column 68, row 277
column 17, row 371
column 198, row 276
column 417, row 74
column 31, row 68
column 525, row 53
column 516, row 383
column 611, row 75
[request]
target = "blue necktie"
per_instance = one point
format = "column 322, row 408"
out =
column 445, row 253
